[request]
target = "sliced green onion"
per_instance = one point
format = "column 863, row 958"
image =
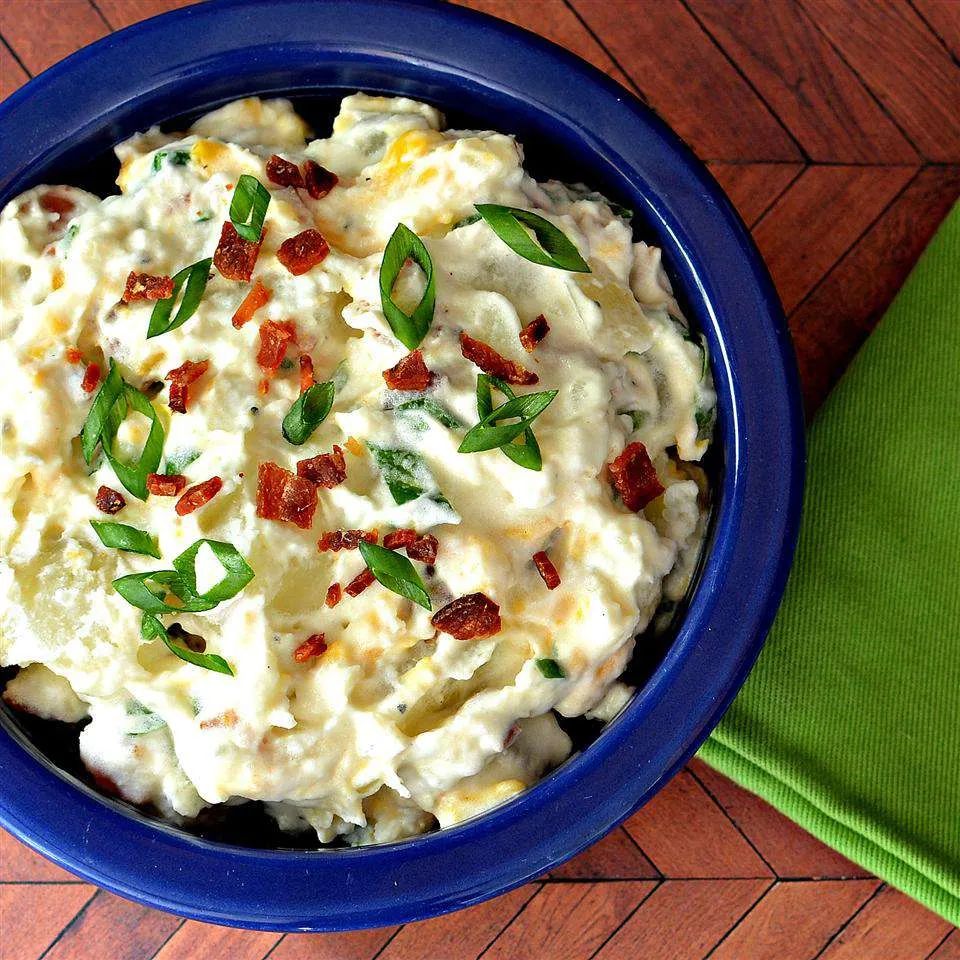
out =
column 637, row 417
column 179, row 461
column 466, row 221
column 402, row 472
column 180, row 158
column 158, row 159
column 133, row 475
column 550, row 669
column 439, row 413
column 195, row 276
column 99, row 414
column 552, row 249
column 152, row 629
column 122, row 537
column 489, row 433
column 706, row 418
column 147, row 720
column 309, row 410
column 204, row 217
column 249, row 207
column 149, row 592
column 395, row 572
column 526, row 454
column 410, row 329
column 237, row 572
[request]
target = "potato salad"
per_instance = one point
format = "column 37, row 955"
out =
column 336, row 472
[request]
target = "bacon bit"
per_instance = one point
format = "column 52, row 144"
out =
column 252, row 302
column 512, row 735
column 180, row 379
column 354, row 446
column 313, row 646
column 274, row 338
column 109, row 501
column 400, row 538
column 489, row 361
column 326, row 469
column 547, row 570
column 534, row 332
column 319, row 180
column 235, row 257
column 91, row 378
column 145, row 286
column 634, row 477
column 282, row 495
column 469, row 617
column 166, row 484
column 306, row 373
column 73, row 355
column 198, row 495
column 54, row 203
column 303, row 252
column 410, row 373
column 360, row 582
column 337, row 540
column 334, row 595
column 424, row 549
column 284, row 173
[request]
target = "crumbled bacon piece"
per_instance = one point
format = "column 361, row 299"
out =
column 166, row 484
column 634, row 477
column 546, row 569
column 235, row 257
column 360, row 582
column 399, row 538
column 534, row 332
column 180, row 379
column 337, row 540
column 306, row 373
column 55, row 203
column 109, row 501
column 303, row 252
column 334, row 595
column 410, row 373
column 91, row 378
column 274, row 338
column 319, row 180
column 283, row 173
column 313, row 646
column 489, row 361
column 423, row 549
column 74, row 356
column 512, row 735
column 198, row 495
column 326, row 469
column 252, row 302
column 145, row 286
column 469, row 617
column 282, row 495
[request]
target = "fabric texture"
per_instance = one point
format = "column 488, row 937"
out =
column 850, row 722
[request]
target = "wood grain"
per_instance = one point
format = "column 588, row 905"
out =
column 943, row 18
column 358, row 945
column 45, row 31
column 755, row 187
column 615, row 857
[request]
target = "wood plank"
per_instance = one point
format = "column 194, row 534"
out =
column 683, row 919
column 554, row 20
column 53, row 29
column 195, row 939
column 121, row 13
column 949, row 949
column 787, row 847
column 114, row 928
column 458, row 936
column 818, row 219
column 685, row 834
column 615, row 857
column 798, row 918
column 569, row 921
column 688, row 80
column 797, row 72
column 32, row 915
column 943, row 17
column 753, row 187
column 12, row 75
column 19, row 863
column 903, row 63
column 890, row 927
column 831, row 324
column 357, row 945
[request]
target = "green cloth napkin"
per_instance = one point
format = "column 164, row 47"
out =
column 850, row 722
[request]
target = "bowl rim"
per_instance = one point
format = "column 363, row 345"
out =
column 761, row 433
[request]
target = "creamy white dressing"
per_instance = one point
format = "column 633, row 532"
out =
column 394, row 729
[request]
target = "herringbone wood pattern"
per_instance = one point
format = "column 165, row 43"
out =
column 834, row 127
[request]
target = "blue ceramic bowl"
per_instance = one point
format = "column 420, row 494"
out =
column 580, row 125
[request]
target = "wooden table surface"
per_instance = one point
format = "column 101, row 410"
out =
column 834, row 125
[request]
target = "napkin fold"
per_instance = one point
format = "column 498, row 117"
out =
column 850, row 722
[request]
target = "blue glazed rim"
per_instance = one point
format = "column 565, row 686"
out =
column 207, row 54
